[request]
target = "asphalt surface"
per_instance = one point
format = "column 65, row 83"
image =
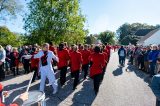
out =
column 125, row 86
column 120, row 87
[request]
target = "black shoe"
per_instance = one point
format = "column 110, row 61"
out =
column 33, row 81
column 74, row 88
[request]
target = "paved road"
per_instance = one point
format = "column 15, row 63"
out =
column 119, row 88
column 82, row 96
column 123, row 87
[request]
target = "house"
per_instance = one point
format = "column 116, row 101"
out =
column 143, row 32
column 153, row 37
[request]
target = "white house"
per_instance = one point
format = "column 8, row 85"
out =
column 152, row 37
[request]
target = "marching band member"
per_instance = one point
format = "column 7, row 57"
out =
column 85, row 56
column 76, row 61
column 52, row 48
column 34, row 65
column 64, row 57
column 97, row 62
column 46, row 68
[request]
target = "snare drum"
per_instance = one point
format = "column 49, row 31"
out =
column 35, row 98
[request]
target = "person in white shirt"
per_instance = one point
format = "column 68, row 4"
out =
column 45, row 67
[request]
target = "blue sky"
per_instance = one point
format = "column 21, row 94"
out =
column 109, row 14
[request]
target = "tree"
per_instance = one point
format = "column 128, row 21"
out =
column 9, row 8
column 130, row 39
column 52, row 20
column 9, row 38
column 127, row 30
column 107, row 36
column 90, row 39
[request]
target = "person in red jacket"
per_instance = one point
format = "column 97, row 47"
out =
column 85, row 56
column 18, row 102
column 14, row 61
column 92, row 48
column 52, row 48
column 70, row 51
column 97, row 62
column 35, row 65
column 64, row 57
column 108, row 48
column 106, row 54
column 76, row 62
column 106, row 60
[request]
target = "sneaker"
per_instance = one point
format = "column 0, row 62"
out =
column 55, row 91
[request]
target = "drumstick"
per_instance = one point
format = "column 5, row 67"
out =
column 3, row 98
column 30, row 82
column 9, row 92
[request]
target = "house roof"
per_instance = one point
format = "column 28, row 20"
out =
column 148, row 35
column 143, row 32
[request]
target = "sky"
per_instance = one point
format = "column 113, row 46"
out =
column 104, row 15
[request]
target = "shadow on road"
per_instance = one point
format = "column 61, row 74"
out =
column 139, row 74
column 16, row 92
column 85, row 96
column 81, row 97
column 118, row 71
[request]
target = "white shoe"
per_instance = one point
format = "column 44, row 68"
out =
column 55, row 91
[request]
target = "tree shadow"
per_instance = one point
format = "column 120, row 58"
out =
column 118, row 71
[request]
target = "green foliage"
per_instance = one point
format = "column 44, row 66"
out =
column 126, row 30
column 52, row 20
column 130, row 39
column 90, row 39
column 9, row 38
column 9, row 8
column 107, row 36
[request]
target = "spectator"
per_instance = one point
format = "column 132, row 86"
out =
column 141, row 59
column 155, row 86
column 122, row 55
column 14, row 61
column 26, row 61
column 8, row 60
column 146, row 58
column 158, row 61
column 153, row 55
column 131, row 56
column 2, row 60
